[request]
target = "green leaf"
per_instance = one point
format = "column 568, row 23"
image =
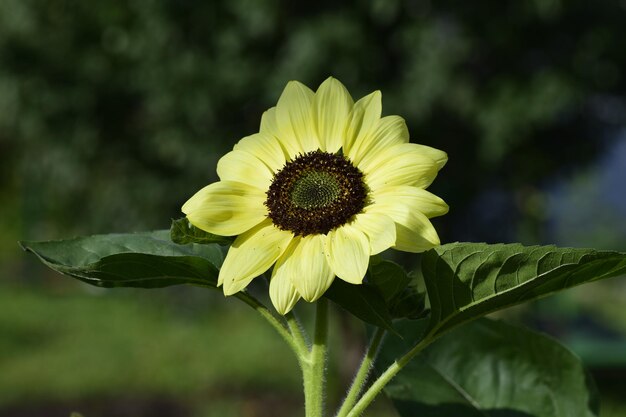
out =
column 385, row 294
column 397, row 288
column 146, row 260
column 183, row 232
column 364, row 301
column 389, row 278
column 410, row 303
column 465, row 281
column 488, row 369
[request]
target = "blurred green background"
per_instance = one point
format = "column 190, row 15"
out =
column 113, row 113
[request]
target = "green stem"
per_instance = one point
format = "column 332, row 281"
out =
column 386, row 376
column 313, row 371
column 275, row 322
column 298, row 333
column 361, row 376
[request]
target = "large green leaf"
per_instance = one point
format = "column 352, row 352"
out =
column 387, row 292
column 146, row 260
column 488, row 369
column 388, row 277
column 400, row 291
column 363, row 301
column 468, row 280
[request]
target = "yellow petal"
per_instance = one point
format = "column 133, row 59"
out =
column 379, row 229
column 402, row 164
column 283, row 294
column 362, row 120
column 226, row 208
column 264, row 146
column 403, row 198
column 440, row 157
column 251, row 254
column 416, row 234
column 388, row 132
column 268, row 123
column 293, row 117
column 331, row 107
column 269, row 126
column 308, row 268
column 244, row 167
column 348, row 253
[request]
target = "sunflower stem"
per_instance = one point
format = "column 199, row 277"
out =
column 363, row 372
column 299, row 335
column 386, row 376
column 277, row 323
column 314, row 372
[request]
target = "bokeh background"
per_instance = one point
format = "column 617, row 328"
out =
column 113, row 113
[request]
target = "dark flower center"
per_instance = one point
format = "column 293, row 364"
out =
column 315, row 193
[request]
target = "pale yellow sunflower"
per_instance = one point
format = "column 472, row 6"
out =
column 325, row 184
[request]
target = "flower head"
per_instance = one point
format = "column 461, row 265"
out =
column 325, row 184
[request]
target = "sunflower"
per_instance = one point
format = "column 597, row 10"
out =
column 325, row 184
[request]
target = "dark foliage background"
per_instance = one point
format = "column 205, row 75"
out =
column 113, row 113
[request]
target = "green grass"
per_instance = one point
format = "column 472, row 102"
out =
column 68, row 345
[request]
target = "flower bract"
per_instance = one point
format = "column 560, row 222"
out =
column 325, row 184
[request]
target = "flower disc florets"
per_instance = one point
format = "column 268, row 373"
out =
column 315, row 193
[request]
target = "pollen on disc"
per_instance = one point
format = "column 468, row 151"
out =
column 315, row 193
